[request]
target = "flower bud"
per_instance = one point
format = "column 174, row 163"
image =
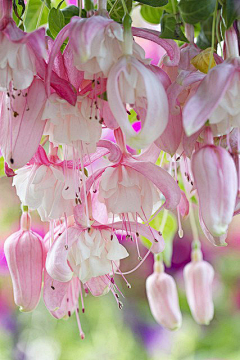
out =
column 25, row 257
column 198, row 277
column 163, row 298
column 215, row 178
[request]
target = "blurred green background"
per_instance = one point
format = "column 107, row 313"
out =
column 130, row 333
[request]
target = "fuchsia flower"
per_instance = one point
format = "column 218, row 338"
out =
column 211, row 166
column 163, row 298
column 131, row 184
column 221, row 105
column 18, row 51
column 25, row 257
column 198, row 277
column 130, row 82
column 46, row 186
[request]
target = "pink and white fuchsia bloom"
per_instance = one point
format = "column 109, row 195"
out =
column 18, row 51
column 25, row 257
column 198, row 277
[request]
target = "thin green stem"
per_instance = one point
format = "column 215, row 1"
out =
column 196, row 242
column 174, row 7
column 124, row 7
column 80, row 7
column 113, row 7
column 213, row 35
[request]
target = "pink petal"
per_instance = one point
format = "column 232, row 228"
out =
column 207, row 97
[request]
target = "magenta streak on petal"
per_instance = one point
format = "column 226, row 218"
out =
column 62, row 35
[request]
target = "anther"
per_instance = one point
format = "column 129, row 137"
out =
column 129, row 286
column 137, row 234
column 67, row 188
column 139, row 258
column 69, row 313
column 111, row 237
column 120, row 305
column 11, row 161
column 52, row 287
column 156, row 240
column 66, row 247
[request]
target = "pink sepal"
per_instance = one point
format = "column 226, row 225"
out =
column 22, row 127
column 170, row 46
column 207, row 97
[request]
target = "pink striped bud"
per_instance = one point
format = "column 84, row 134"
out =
column 215, row 178
column 25, row 258
column 163, row 298
column 198, row 277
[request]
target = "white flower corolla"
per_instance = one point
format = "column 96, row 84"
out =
column 124, row 190
column 47, row 189
column 17, row 64
column 72, row 125
column 94, row 253
column 227, row 113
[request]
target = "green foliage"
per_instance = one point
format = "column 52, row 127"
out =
column 204, row 39
column 150, row 14
column 193, row 11
column 231, row 11
column 116, row 10
column 56, row 21
column 154, row 3
column 68, row 12
column 47, row 3
column 36, row 9
column 170, row 28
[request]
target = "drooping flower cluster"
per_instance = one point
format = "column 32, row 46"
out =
column 78, row 159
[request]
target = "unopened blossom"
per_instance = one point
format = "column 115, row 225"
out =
column 215, row 178
column 25, row 258
column 198, row 277
column 163, row 298
column 77, row 126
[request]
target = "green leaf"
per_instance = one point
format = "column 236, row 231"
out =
column 88, row 5
column 169, row 7
column 169, row 231
column 231, row 11
column 154, row 3
column 47, row 3
column 69, row 12
column 56, row 21
column 204, row 39
column 171, row 29
column 150, row 14
column 33, row 13
column 193, row 11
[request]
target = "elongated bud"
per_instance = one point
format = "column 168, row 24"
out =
column 198, row 277
column 215, row 178
column 163, row 298
column 25, row 257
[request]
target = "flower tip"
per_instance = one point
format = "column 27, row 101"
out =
column 82, row 335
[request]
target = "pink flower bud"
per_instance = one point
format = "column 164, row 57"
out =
column 198, row 277
column 215, row 178
column 25, row 257
column 163, row 299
